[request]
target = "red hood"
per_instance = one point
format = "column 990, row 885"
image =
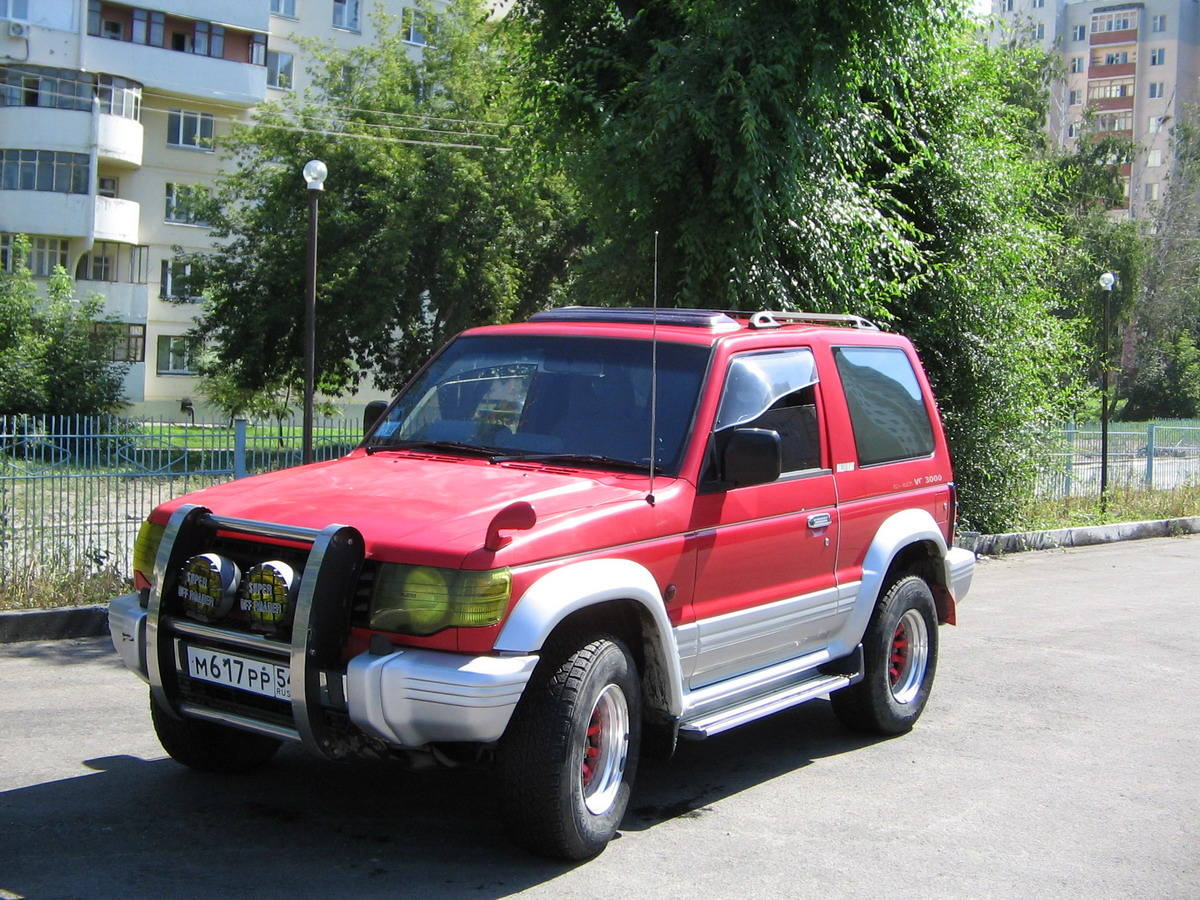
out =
column 436, row 510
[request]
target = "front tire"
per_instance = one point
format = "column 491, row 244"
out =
column 900, row 658
column 567, row 762
column 210, row 747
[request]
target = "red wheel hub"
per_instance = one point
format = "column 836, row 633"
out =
column 899, row 655
column 591, row 751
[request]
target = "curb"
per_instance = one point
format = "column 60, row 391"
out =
column 53, row 624
column 92, row 621
column 1087, row 536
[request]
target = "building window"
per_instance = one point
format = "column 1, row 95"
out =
column 106, row 186
column 1125, row 20
column 1157, row 90
column 1038, row 4
column 1076, row 64
column 44, row 170
column 258, row 49
column 176, row 355
column 1154, row 159
column 209, row 40
column 416, row 27
column 149, row 28
column 1158, row 23
column 279, row 70
column 1158, row 56
column 45, row 253
column 175, row 281
column 1151, row 192
column 14, row 9
column 126, row 341
column 1039, row 31
column 1110, row 89
column 182, row 205
column 283, row 8
column 1155, row 124
column 1115, row 122
column 119, row 96
column 1073, row 130
column 98, row 265
column 1116, row 58
column 1079, row 33
column 186, row 128
column 1074, row 98
column 345, row 14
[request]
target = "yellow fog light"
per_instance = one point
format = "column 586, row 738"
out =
column 145, row 549
column 422, row 600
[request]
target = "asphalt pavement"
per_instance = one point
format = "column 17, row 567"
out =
column 1056, row 758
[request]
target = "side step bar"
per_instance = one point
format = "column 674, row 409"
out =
column 708, row 724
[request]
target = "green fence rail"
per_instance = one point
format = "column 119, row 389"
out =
column 74, row 490
column 1155, row 455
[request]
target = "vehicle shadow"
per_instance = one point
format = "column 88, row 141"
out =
column 304, row 827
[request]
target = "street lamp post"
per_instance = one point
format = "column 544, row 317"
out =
column 315, row 174
column 1107, row 280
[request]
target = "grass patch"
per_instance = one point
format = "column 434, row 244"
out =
column 54, row 589
column 1124, row 505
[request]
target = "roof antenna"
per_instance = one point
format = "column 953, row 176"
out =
column 653, row 375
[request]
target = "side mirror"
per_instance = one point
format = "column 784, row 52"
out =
column 372, row 413
column 752, row 456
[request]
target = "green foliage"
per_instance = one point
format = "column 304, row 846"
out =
column 1164, row 379
column 51, row 361
column 847, row 157
column 429, row 223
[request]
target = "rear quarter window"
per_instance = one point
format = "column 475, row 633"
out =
column 887, row 409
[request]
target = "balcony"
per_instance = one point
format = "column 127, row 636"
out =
column 117, row 220
column 176, row 73
column 1112, row 71
column 70, row 215
column 1103, row 104
column 70, row 131
column 1099, row 38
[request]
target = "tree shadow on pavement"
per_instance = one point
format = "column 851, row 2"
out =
column 305, row 827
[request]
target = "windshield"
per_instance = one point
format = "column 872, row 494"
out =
column 579, row 399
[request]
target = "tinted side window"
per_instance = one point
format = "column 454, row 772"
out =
column 887, row 410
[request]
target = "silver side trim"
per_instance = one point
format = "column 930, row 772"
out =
column 758, row 707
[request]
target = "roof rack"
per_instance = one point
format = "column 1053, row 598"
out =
column 691, row 318
column 779, row 319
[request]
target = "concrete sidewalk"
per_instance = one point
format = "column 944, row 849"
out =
column 92, row 621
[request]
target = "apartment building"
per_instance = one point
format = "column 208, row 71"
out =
column 1128, row 68
column 108, row 112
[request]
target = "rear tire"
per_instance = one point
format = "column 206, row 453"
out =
column 568, row 759
column 900, row 659
column 210, row 747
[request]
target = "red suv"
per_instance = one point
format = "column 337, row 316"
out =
column 568, row 540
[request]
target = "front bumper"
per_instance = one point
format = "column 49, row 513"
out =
column 407, row 698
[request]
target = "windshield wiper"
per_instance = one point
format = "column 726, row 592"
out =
column 585, row 458
column 460, row 446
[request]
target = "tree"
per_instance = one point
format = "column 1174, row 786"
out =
column 1166, row 325
column 430, row 222
column 846, row 157
column 53, row 360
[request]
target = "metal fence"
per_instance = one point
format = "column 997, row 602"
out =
column 1157, row 455
column 74, row 490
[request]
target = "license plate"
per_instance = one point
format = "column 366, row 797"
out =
column 253, row 675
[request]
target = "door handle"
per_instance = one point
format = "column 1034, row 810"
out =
column 820, row 520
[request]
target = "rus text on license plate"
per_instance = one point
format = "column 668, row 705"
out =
column 256, row 676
